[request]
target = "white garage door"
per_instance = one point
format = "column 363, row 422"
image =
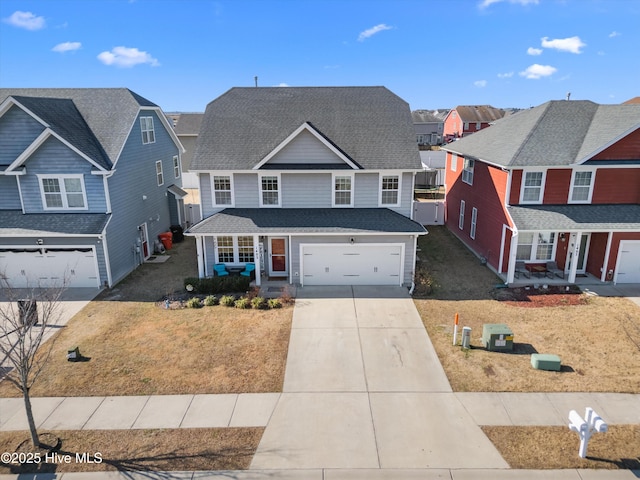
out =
column 628, row 267
column 346, row 264
column 53, row 267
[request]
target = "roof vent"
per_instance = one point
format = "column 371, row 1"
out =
column 568, row 96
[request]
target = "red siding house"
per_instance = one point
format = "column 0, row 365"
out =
column 467, row 119
column 554, row 188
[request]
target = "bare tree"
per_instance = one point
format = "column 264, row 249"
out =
column 27, row 319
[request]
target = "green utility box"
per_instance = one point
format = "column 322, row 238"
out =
column 497, row 337
column 545, row 361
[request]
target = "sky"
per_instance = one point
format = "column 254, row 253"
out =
column 435, row 54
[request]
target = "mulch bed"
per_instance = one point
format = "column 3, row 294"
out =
column 535, row 297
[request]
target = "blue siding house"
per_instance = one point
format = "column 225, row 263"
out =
column 88, row 179
column 313, row 185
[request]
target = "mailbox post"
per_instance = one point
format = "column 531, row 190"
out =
column 585, row 427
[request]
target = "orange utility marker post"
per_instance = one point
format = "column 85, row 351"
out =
column 455, row 330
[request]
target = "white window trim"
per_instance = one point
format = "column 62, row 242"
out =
column 472, row 171
column 63, row 194
column 333, row 190
column 279, row 177
column 461, row 216
column 474, row 222
column 143, row 129
column 213, row 190
column 542, row 184
column 454, row 162
column 534, row 247
column 390, row 174
column 159, row 173
column 176, row 166
column 573, row 178
column 236, row 249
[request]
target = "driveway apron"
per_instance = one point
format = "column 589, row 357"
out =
column 364, row 388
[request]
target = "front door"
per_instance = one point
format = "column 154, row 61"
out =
column 278, row 257
column 582, row 253
column 144, row 241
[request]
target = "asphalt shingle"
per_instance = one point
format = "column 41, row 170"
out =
column 585, row 218
column 15, row 223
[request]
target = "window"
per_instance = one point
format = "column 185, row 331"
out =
column 234, row 249
column 461, row 216
column 474, row 220
column 390, row 190
column 534, row 247
column 269, row 192
column 159, row 174
column 581, row 187
column 342, row 190
column 222, row 190
column 176, row 166
column 532, row 187
column 478, row 125
column 245, row 249
column 454, row 162
column 467, row 172
column 465, row 126
column 63, row 192
column 225, row 249
column 148, row 133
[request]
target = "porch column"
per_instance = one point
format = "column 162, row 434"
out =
column 200, row 257
column 256, row 259
column 513, row 250
column 574, row 257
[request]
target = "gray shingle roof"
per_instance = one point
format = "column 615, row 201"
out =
column 189, row 123
column 479, row 113
column 585, row 218
column 63, row 118
column 109, row 112
column 306, row 220
column 371, row 125
column 556, row 133
column 13, row 223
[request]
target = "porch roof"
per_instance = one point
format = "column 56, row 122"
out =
column 306, row 220
column 583, row 218
column 13, row 223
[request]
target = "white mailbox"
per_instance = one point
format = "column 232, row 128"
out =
column 585, row 427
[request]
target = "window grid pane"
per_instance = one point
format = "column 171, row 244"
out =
column 270, row 190
column 581, row 187
column 245, row 249
column 225, row 249
column 342, row 190
column 222, row 190
column 390, row 187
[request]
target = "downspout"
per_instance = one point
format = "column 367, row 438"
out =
column 105, row 249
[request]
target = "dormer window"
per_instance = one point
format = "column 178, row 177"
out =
column 63, row 192
column 148, row 133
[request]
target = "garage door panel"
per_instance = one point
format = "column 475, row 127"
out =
column 628, row 270
column 359, row 264
column 56, row 267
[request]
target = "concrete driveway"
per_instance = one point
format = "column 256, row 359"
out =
column 364, row 388
column 628, row 290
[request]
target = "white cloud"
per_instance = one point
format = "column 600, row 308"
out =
column 571, row 44
column 480, row 83
column 505, row 75
column 534, row 51
column 372, row 31
column 487, row 3
column 614, row 34
column 127, row 57
column 25, row 20
column 67, row 47
column 536, row 71
column 282, row 85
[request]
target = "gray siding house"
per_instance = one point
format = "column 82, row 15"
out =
column 313, row 185
column 88, row 179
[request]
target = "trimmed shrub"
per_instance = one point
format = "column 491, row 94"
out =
column 194, row 302
column 243, row 303
column 258, row 303
column 274, row 303
column 211, row 285
column 211, row 301
column 227, row 300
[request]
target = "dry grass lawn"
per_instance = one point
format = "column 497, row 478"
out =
column 135, row 347
column 598, row 341
column 557, row 447
column 144, row 450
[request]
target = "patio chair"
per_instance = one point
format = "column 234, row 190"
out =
column 220, row 269
column 552, row 269
column 248, row 268
column 522, row 269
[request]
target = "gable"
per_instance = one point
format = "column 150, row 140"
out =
column 18, row 130
column 627, row 148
